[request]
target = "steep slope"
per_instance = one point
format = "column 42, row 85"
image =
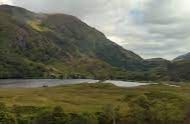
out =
column 41, row 45
column 183, row 57
column 89, row 41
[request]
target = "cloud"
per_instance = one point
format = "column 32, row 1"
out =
column 151, row 28
column 5, row 2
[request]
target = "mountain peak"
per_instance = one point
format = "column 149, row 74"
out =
column 15, row 11
column 6, row 7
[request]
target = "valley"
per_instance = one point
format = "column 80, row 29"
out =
column 56, row 69
column 62, row 46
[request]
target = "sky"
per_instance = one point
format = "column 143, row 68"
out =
column 150, row 28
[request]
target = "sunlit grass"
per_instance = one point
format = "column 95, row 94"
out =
column 36, row 25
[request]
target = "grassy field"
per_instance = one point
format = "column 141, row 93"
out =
column 99, row 103
column 83, row 97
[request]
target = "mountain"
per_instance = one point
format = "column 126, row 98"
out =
column 180, row 68
column 156, row 69
column 183, row 57
column 36, row 45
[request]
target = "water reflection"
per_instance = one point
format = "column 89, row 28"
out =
column 32, row 83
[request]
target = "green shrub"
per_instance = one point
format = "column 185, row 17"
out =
column 157, row 108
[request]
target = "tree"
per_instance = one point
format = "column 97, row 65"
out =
column 109, row 115
column 138, row 112
column 156, row 108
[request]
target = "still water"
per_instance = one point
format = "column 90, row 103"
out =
column 32, row 83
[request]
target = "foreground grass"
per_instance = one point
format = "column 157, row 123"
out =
column 96, row 104
column 73, row 98
column 82, row 97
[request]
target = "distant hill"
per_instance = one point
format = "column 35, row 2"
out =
column 183, row 57
column 181, row 67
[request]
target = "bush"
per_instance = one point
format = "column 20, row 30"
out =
column 57, row 116
column 109, row 115
column 5, row 116
column 146, row 109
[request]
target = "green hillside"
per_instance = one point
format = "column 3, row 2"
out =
column 36, row 45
